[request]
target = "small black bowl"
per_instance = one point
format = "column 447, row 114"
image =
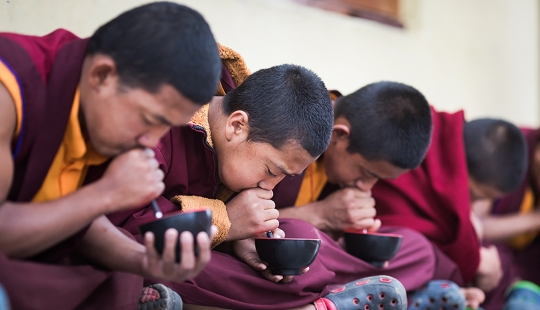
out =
column 287, row 256
column 193, row 221
column 374, row 248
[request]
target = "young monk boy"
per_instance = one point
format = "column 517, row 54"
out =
column 381, row 131
column 271, row 126
column 69, row 105
column 514, row 220
column 484, row 158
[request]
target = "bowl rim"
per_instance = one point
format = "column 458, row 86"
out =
column 174, row 214
column 361, row 232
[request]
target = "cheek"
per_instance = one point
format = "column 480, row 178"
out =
column 240, row 174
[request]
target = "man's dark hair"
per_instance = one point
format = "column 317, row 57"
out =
column 162, row 43
column 496, row 153
column 285, row 103
column 389, row 121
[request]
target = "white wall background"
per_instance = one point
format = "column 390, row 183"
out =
column 481, row 56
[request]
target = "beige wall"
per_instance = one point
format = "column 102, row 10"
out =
column 481, row 56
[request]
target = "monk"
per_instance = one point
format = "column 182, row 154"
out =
column 270, row 126
column 514, row 220
column 467, row 161
column 69, row 107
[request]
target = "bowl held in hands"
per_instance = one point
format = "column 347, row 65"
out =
column 374, row 248
column 193, row 221
column 287, row 256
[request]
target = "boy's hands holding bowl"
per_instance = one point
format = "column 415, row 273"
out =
column 165, row 267
column 245, row 250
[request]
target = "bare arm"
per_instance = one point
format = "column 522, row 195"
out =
column 29, row 228
column 125, row 254
column 310, row 213
column 504, row 227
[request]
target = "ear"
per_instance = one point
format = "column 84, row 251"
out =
column 341, row 132
column 237, row 126
column 102, row 72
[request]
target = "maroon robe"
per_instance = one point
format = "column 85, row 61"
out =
column 526, row 260
column 416, row 262
column 190, row 168
column 433, row 199
column 47, row 70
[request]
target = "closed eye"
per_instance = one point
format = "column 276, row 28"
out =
column 270, row 172
column 147, row 121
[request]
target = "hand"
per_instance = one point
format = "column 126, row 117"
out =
column 489, row 272
column 245, row 250
column 133, row 179
column 251, row 212
column 349, row 208
column 473, row 297
column 477, row 225
column 164, row 267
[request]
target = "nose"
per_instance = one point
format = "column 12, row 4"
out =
column 151, row 138
column 366, row 184
column 269, row 183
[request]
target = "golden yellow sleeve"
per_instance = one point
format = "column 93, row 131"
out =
column 220, row 217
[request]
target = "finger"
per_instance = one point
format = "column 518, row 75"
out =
column 154, row 164
column 264, row 194
column 287, row 279
column 160, row 187
column 278, row 233
column 271, row 214
column 252, row 260
column 376, row 226
column 203, row 242
column 213, row 231
column 356, row 192
column 474, row 296
column 149, row 153
column 366, row 203
column 274, row 278
column 159, row 175
column 269, row 205
column 305, row 270
column 169, row 255
column 152, row 254
column 187, row 262
column 363, row 224
column 362, row 213
column 270, row 225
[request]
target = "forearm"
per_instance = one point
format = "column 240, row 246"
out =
column 106, row 245
column 500, row 228
column 309, row 213
column 29, row 228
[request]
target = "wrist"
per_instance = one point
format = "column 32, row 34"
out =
column 102, row 196
column 319, row 219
